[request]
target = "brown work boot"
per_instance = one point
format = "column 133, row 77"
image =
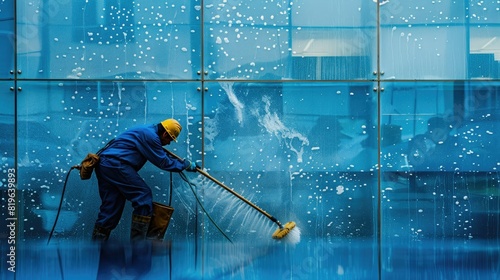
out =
column 159, row 221
column 139, row 227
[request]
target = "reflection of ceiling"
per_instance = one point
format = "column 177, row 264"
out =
column 344, row 42
column 487, row 44
column 485, row 40
column 352, row 42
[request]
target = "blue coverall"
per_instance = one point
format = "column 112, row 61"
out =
column 117, row 173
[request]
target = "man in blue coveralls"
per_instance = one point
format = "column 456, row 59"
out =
column 119, row 181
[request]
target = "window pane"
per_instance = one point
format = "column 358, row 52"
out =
column 309, row 157
column 8, row 181
column 7, row 38
column 440, row 162
column 484, row 45
column 109, row 40
column 415, row 40
column 303, row 40
column 371, row 122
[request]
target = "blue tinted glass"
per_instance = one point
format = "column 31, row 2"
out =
column 111, row 40
column 60, row 122
column 315, row 153
column 7, row 39
column 285, row 40
column 8, row 180
column 7, row 144
column 440, row 126
column 439, row 159
column 369, row 124
column 484, row 56
column 415, row 40
column 483, row 12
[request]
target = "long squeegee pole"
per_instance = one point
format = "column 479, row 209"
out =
column 231, row 191
column 236, row 194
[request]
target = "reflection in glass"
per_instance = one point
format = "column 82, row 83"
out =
column 290, row 40
column 315, row 154
column 440, row 161
column 111, row 40
column 7, row 39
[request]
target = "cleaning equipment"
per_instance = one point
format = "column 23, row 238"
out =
column 288, row 230
column 158, row 223
column 61, row 201
column 191, row 185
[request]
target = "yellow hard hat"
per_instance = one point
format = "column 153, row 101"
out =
column 172, row 127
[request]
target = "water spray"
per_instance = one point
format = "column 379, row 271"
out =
column 290, row 229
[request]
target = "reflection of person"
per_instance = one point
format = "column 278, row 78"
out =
column 438, row 130
column 124, row 261
column 119, row 181
column 424, row 147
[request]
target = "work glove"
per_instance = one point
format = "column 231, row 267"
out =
column 190, row 166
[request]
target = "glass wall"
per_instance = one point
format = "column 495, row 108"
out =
column 371, row 124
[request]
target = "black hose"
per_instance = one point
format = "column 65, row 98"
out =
column 184, row 177
column 60, row 202
column 64, row 188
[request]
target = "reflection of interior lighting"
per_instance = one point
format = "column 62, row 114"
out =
column 308, row 45
column 488, row 43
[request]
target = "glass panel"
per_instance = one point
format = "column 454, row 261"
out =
column 9, row 215
column 415, row 40
column 285, row 116
column 484, row 56
column 7, row 38
column 303, row 40
column 440, row 176
column 309, row 157
column 60, row 122
column 109, row 40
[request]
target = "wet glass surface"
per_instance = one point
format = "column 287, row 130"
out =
column 310, row 259
column 370, row 124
